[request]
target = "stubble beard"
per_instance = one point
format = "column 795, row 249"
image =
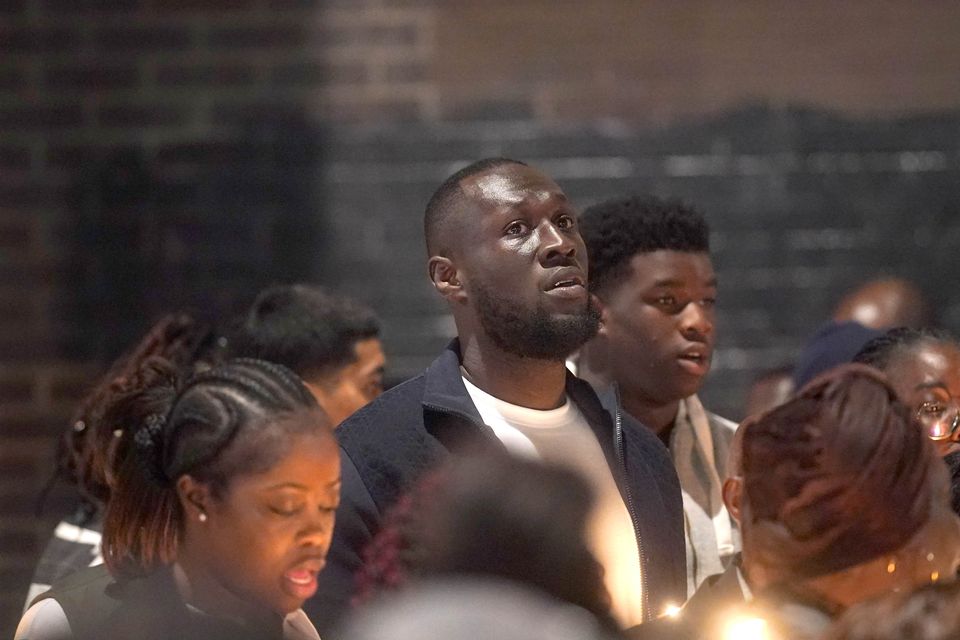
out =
column 535, row 333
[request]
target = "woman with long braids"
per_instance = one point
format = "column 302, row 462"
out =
column 220, row 518
column 88, row 451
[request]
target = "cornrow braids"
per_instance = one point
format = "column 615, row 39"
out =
column 878, row 351
column 86, row 451
column 237, row 418
column 146, row 441
column 215, row 404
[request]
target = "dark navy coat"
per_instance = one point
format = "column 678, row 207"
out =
column 388, row 444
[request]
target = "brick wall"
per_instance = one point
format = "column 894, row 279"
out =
column 184, row 153
column 803, row 206
column 652, row 62
column 160, row 154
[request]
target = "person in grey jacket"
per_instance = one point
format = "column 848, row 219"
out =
column 506, row 254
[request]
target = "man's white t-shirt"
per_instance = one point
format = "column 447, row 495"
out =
column 563, row 436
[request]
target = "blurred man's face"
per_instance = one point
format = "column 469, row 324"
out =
column 355, row 385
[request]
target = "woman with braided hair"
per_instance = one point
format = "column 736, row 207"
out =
column 88, row 451
column 220, row 516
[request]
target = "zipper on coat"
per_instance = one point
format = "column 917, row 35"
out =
column 618, row 433
column 644, row 589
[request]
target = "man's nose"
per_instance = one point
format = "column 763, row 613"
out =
column 555, row 243
column 696, row 321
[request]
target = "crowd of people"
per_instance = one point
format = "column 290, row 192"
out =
column 552, row 474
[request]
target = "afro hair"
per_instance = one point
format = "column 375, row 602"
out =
column 616, row 230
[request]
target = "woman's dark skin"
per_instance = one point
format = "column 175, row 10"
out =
column 926, row 376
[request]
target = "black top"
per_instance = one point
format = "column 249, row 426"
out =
column 389, row 443
column 64, row 556
column 149, row 608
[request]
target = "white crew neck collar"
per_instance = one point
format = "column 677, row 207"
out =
column 521, row 416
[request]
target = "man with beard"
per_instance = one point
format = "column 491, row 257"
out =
column 506, row 254
column 656, row 288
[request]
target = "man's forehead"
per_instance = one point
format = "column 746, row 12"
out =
column 511, row 185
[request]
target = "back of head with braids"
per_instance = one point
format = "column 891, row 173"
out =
column 86, row 451
column 235, row 419
column 878, row 352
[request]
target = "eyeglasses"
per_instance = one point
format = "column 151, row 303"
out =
column 940, row 420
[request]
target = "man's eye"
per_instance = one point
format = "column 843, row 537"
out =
column 515, row 229
column 708, row 302
column 566, row 222
column 666, row 301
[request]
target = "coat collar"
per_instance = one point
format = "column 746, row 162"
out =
column 443, row 385
column 444, row 392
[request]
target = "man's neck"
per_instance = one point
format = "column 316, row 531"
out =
column 657, row 417
column 525, row 382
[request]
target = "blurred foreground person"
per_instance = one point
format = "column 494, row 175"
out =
column 220, row 517
column 331, row 342
column 651, row 271
column 860, row 316
column 843, row 500
column 474, row 608
column 769, row 389
column 923, row 365
column 931, row 612
column 492, row 516
column 88, row 453
column 506, row 255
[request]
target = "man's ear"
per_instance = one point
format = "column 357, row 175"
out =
column 445, row 278
column 601, row 309
column 732, row 493
column 318, row 392
column 195, row 498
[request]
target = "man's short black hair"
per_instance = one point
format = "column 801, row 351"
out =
column 304, row 328
column 616, row 230
column 448, row 197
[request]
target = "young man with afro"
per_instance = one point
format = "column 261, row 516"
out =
column 652, row 277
